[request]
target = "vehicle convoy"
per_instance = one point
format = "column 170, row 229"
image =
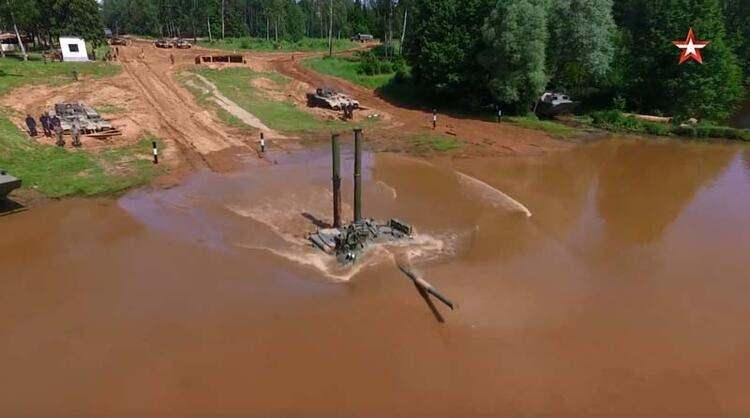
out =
column 8, row 183
column 182, row 44
column 163, row 43
column 553, row 104
column 328, row 98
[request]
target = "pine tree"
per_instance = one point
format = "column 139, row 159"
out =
column 516, row 33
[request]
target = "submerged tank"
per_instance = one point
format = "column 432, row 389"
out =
column 8, row 183
column 553, row 104
column 349, row 242
column 331, row 99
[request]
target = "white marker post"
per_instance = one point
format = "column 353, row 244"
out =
column 156, row 152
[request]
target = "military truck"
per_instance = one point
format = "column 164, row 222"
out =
column 8, row 183
column 553, row 104
column 329, row 98
column 362, row 37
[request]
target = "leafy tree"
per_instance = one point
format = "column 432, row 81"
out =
column 737, row 15
column 581, row 45
column 295, row 22
column 516, row 35
column 445, row 38
column 77, row 18
column 655, row 83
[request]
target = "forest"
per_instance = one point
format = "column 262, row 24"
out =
column 610, row 54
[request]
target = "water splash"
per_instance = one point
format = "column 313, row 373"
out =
column 491, row 195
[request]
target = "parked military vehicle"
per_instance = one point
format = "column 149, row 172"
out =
column 116, row 41
column 362, row 37
column 553, row 104
column 89, row 121
column 8, row 183
column 163, row 43
column 182, row 44
column 331, row 99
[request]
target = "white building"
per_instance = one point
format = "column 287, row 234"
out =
column 73, row 49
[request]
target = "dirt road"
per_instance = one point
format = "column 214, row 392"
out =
column 193, row 128
column 151, row 101
column 481, row 136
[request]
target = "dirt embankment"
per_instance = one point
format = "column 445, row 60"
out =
column 146, row 98
column 481, row 137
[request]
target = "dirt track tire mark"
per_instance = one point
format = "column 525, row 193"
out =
column 188, row 124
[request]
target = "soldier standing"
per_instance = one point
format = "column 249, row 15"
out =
column 76, row 133
column 54, row 121
column 262, row 144
column 31, row 124
column 46, row 124
column 171, row 58
column 434, row 118
column 59, row 134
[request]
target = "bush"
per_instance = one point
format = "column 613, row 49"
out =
column 616, row 121
column 371, row 64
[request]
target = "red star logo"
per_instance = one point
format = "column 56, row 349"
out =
column 691, row 48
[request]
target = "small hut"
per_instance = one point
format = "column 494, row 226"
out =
column 73, row 49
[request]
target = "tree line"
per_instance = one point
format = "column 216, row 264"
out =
column 271, row 19
column 611, row 53
column 608, row 53
column 45, row 20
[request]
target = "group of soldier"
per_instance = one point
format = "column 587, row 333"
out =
column 112, row 54
column 52, row 124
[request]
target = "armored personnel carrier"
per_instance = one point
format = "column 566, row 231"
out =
column 182, row 44
column 553, row 104
column 8, row 183
column 89, row 120
column 329, row 98
column 163, row 43
column 117, row 41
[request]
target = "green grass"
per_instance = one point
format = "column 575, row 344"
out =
column 100, row 51
column 347, row 68
column 15, row 73
column 613, row 120
column 436, row 142
column 59, row 172
column 236, row 84
column 553, row 128
column 261, row 44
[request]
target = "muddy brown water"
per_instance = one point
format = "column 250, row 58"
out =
column 624, row 294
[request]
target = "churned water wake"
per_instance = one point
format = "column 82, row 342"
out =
column 296, row 248
column 491, row 195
